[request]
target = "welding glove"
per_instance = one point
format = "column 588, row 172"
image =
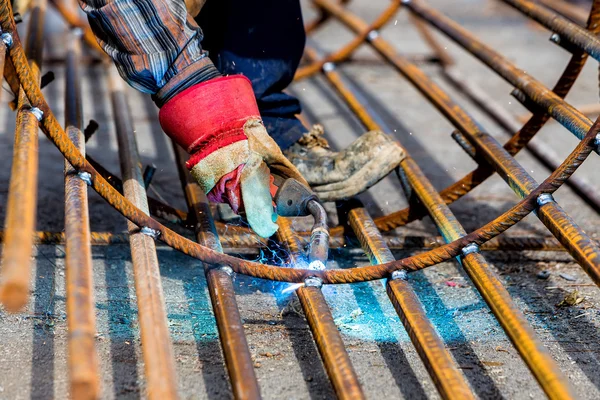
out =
column 336, row 175
column 232, row 157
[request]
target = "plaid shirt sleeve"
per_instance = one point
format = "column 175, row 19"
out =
column 154, row 44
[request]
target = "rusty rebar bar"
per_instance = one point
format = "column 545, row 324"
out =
column 444, row 372
column 574, row 12
column 508, row 123
column 567, row 30
column 220, row 287
column 156, row 343
column 22, row 192
column 233, row 243
column 563, row 112
column 81, row 310
column 325, row 333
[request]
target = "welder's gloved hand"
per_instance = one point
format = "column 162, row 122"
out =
column 232, row 155
column 340, row 175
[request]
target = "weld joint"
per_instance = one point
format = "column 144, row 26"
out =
column 400, row 275
column 39, row 114
column 313, row 281
column 469, row 249
column 86, row 177
column 153, row 233
column 7, row 39
column 544, row 198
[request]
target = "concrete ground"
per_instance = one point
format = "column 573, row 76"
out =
column 33, row 343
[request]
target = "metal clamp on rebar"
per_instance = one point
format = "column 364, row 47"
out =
column 77, row 32
column 328, row 66
column 313, row 281
column 555, row 38
column 228, row 270
column 400, row 275
column 86, row 177
column 39, row 114
column 153, row 233
column 544, row 198
column 7, row 39
column 597, row 142
column 469, row 249
column 374, row 34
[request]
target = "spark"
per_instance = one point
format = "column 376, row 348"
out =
column 316, row 265
column 292, row 288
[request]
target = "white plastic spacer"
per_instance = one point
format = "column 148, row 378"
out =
column 153, row 233
column 39, row 114
column 400, row 274
column 86, row 177
column 544, row 198
column 469, row 249
column 313, row 281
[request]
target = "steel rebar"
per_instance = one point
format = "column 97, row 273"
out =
column 81, row 308
column 156, row 342
column 22, row 195
column 220, row 287
column 324, row 330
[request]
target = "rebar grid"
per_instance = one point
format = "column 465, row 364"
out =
column 19, row 235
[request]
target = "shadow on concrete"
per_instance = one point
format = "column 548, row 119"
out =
column 121, row 331
column 42, row 360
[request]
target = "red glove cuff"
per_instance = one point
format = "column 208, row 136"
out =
column 210, row 115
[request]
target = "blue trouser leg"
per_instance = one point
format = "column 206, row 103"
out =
column 263, row 40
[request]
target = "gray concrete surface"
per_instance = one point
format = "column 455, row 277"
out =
column 33, row 344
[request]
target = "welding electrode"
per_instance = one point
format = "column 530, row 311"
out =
column 293, row 199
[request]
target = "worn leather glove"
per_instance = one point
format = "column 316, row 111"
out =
column 232, row 155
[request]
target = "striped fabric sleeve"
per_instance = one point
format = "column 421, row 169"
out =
column 154, row 44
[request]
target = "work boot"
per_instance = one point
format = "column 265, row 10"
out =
column 340, row 175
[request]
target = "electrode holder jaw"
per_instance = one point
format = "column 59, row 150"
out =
column 292, row 199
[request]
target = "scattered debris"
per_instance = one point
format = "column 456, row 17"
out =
column 492, row 363
column 543, row 274
column 451, row 284
column 356, row 313
column 582, row 314
column 498, row 348
column 257, row 365
column 567, row 277
column 571, row 299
